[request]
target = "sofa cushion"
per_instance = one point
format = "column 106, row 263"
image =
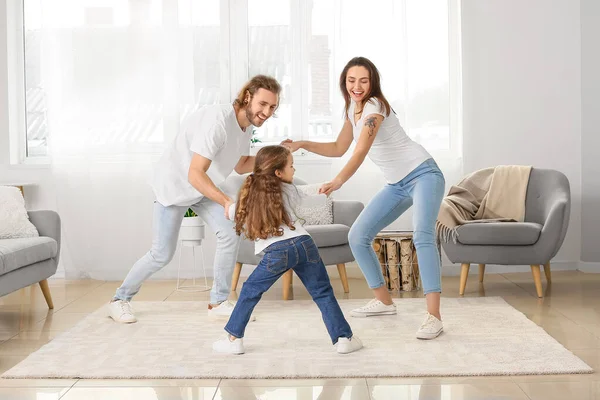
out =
column 328, row 235
column 499, row 233
column 315, row 208
column 14, row 221
column 17, row 253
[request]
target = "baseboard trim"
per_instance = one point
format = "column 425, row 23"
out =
column 589, row 267
column 352, row 270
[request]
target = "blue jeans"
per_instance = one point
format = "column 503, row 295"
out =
column 300, row 254
column 166, row 225
column 424, row 188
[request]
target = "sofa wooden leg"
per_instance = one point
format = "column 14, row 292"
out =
column 236, row 276
column 481, row 272
column 537, row 279
column 547, row 272
column 46, row 291
column 344, row 277
column 464, row 274
column 287, row 284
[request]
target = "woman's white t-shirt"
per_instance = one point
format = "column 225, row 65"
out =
column 212, row 132
column 392, row 151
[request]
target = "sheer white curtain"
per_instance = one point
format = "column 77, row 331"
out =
column 113, row 80
column 108, row 83
column 305, row 45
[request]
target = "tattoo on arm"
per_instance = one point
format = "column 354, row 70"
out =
column 371, row 122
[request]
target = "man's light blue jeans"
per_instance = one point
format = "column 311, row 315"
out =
column 166, row 225
column 423, row 188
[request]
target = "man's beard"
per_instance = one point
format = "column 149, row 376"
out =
column 253, row 117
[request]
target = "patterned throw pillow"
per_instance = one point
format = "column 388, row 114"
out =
column 315, row 208
column 14, row 221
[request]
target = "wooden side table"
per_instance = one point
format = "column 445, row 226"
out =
column 398, row 258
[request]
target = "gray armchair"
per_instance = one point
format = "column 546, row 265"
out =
column 26, row 261
column 332, row 240
column 533, row 242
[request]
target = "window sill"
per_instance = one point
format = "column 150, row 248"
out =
column 32, row 163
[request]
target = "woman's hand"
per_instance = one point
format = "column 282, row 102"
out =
column 290, row 144
column 330, row 187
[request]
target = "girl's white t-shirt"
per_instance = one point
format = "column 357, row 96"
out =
column 393, row 151
column 292, row 197
column 212, row 132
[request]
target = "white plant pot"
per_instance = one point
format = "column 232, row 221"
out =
column 192, row 231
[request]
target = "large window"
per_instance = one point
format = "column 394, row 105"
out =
column 122, row 74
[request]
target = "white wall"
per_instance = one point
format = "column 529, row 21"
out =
column 522, row 92
column 522, row 105
column 590, row 133
column 4, row 145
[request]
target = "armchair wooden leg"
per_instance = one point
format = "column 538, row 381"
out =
column 287, row 284
column 537, row 279
column 464, row 274
column 547, row 272
column 46, row 292
column 236, row 276
column 481, row 272
column 344, row 278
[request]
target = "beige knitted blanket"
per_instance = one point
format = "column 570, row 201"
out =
column 489, row 195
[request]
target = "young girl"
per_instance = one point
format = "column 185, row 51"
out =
column 265, row 213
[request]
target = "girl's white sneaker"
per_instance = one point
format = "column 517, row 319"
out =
column 228, row 346
column 345, row 345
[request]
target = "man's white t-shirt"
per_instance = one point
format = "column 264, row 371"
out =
column 212, row 132
column 393, row 151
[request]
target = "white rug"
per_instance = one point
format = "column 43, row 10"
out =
column 483, row 336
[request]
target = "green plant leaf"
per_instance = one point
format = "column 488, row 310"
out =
column 190, row 213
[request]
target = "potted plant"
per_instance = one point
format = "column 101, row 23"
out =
column 253, row 139
column 192, row 229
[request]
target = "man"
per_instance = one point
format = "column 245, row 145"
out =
column 214, row 141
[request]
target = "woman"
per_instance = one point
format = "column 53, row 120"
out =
column 413, row 178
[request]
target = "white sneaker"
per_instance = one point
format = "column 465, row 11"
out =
column 374, row 308
column 223, row 311
column 228, row 346
column 121, row 311
column 430, row 328
column 345, row 345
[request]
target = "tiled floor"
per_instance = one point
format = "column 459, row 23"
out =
column 570, row 312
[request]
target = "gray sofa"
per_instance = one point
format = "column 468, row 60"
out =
column 26, row 261
column 533, row 242
column 332, row 240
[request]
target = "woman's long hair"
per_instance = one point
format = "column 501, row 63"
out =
column 374, row 91
column 260, row 211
